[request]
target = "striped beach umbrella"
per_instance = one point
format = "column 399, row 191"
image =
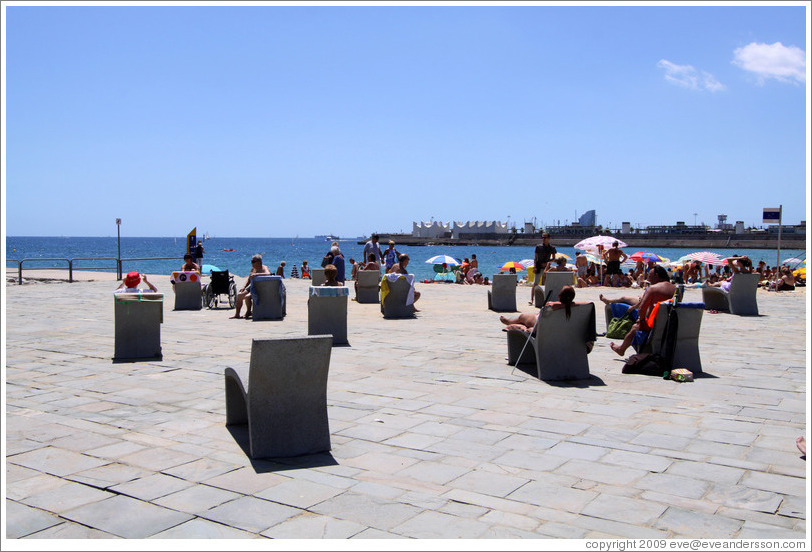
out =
column 706, row 257
column 647, row 256
column 511, row 264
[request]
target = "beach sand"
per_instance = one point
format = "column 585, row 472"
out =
column 433, row 434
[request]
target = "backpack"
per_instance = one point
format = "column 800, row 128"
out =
column 619, row 327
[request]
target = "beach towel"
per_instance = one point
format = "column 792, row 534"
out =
column 392, row 278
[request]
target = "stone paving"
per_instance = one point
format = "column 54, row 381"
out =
column 433, row 434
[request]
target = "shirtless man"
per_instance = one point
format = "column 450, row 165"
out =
column 660, row 289
column 257, row 269
column 614, row 257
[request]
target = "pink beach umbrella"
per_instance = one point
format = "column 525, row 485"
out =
column 592, row 244
column 707, row 257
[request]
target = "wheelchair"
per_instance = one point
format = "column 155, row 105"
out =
column 221, row 282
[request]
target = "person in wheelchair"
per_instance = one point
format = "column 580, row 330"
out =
column 257, row 269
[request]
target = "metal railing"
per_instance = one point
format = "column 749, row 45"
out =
column 70, row 263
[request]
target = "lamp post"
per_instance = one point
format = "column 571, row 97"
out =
column 118, row 263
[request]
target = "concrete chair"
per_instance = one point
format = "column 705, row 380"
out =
column 317, row 277
column 396, row 291
column 686, row 350
column 560, row 347
column 282, row 396
column 368, row 286
column 740, row 299
column 188, row 290
column 268, row 298
column 327, row 312
column 553, row 281
column 502, row 295
column 138, row 318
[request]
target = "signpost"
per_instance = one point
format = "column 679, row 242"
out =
column 773, row 216
column 191, row 241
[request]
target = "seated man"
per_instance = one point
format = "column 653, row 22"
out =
column 737, row 265
column 244, row 295
column 661, row 289
column 131, row 281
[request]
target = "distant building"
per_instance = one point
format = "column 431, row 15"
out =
column 588, row 218
column 432, row 229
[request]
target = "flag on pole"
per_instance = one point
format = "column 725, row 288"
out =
column 772, row 215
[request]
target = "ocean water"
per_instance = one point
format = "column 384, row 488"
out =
column 274, row 250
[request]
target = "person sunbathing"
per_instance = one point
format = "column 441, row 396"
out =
column 660, row 289
column 526, row 321
column 131, row 281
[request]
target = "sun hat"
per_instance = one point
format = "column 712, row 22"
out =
column 132, row 279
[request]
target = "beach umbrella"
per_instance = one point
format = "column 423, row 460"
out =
column 647, row 256
column 440, row 259
column 594, row 259
column 706, row 257
column 792, row 261
column 527, row 262
column 559, row 255
column 207, row 269
column 511, row 264
column 591, row 244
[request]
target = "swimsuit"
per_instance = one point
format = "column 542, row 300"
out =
column 613, row 267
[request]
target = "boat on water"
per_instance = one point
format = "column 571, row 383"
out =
column 327, row 237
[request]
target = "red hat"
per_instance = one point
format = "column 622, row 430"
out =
column 132, row 279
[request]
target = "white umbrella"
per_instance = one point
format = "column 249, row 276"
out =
column 707, row 258
column 792, row 261
column 440, row 259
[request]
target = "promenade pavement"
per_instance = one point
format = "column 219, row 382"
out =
column 433, row 434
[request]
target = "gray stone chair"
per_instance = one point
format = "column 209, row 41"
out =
column 553, row 281
column 560, row 347
column 282, row 396
column 740, row 300
column 317, row 277
column 502, row 295
column 395, row 298
column 368, row 286
column 686, row 350
column 188, row 291
column 327, row 312
column 268, row 298
column 138, row 318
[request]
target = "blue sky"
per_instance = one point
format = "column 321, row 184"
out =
column 278, row 121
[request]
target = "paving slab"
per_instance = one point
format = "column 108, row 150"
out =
column 433, row 434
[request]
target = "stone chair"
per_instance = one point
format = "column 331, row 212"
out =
column 327, row 312
column 137, row 320
column 740, row 299
column 368, row 286
column 268, row 298
column 282, row 396
column 553, row 281
column 317, row 276
column 502, row 295
column 188, row 290
column 686, row 349
column 397, row 296
column 560, row 346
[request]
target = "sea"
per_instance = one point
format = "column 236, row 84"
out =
column 164, row 255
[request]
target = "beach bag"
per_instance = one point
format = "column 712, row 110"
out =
column 619, row 327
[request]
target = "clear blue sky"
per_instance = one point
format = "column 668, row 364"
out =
column 283, row 121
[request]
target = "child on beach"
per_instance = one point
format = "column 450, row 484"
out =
column 330, row 273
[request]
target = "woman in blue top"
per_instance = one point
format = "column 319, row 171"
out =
column 338, row 261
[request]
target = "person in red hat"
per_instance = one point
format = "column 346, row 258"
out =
column 131, row 281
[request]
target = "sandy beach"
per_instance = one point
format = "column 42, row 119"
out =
column 433, row 434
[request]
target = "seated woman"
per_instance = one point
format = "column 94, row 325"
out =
column 330, row 273
column 526, row 321
column 131, row 281
column 737, row 265
column 785, row 280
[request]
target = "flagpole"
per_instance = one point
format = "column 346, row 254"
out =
column 780, row 216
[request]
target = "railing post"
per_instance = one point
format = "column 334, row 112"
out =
column 70, row 271
column 20, row 272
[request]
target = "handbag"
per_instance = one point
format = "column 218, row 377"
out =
column 619, row 327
